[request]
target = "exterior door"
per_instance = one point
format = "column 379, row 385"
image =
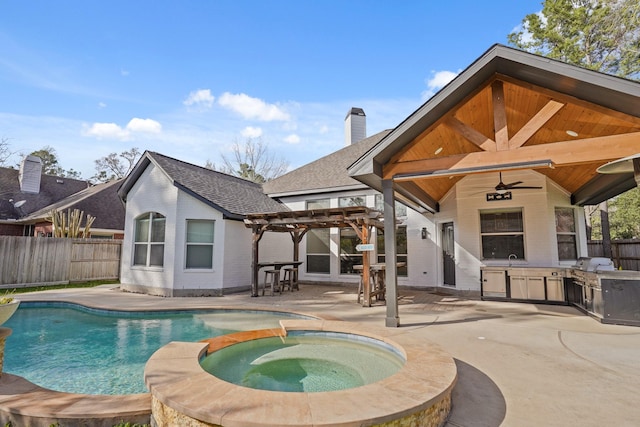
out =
column 448, row 254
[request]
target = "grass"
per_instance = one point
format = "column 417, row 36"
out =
column 91, row 284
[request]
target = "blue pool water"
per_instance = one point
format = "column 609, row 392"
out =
column 305, row 362
column 67, row 347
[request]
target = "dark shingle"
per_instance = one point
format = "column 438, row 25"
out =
column 52, row 190
column 233, row 196
column 329, row 172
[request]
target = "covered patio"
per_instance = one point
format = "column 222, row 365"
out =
column 513, row 130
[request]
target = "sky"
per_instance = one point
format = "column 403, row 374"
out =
column 188, row 79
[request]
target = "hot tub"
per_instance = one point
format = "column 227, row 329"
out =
column 419, row 393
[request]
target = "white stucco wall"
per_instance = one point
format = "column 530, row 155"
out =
column 468, row 198
column 153, row 192
column 188, row 207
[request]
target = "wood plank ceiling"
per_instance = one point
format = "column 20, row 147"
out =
column 507, row 122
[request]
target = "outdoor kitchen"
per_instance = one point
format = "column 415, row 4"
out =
column 593, row 285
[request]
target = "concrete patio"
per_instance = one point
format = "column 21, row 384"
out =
column 518, row 364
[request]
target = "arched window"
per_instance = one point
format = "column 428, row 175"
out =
column 148, row 246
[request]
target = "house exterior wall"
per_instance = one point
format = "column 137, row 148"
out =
column 196, row 282
column 152, row 192
column 468, row 198
column 232, row 250
column 421, row 257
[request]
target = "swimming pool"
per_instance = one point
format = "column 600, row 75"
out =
column 71, row 348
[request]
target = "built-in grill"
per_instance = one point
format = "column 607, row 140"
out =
column 611, row 295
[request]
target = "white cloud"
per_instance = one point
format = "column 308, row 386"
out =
column 144, row 125
column 114, row 131
column 200, row 98
column 292, row 139
column 102, row 105
column 252, row 108
column 438, row 80
column 124, row 73
column 251, row 132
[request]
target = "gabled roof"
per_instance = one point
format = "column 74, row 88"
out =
column 234, row 197
column 52, row 190
column 100, row 201
column 512, row 109
column 328, row 173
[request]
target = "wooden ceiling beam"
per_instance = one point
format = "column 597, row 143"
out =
column 534, row 125
column 499, row 116
column 564, row 153
column 471, row 134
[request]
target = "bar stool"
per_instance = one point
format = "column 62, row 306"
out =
column 271, row 279
column 372, row 283
column 290, row 279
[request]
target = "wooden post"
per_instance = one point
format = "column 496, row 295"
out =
column 257, row 235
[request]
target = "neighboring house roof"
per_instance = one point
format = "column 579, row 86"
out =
column 511, row 108
column 234, row 197
column 52, row 190
column 100, row 201
column 328, row 173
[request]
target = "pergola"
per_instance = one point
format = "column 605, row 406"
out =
column 297, row 223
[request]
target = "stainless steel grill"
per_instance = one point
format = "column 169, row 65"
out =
column 594, row 264
column 606, row 293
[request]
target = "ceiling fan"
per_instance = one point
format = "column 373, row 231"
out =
column 502, row 188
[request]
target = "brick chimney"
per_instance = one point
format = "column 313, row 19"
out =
column 29, row 177
column 355, row 126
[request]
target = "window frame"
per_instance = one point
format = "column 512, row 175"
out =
column 573, row 233
column 194, row 244
column 150, row 245
column 506, row 232
column 319, row 234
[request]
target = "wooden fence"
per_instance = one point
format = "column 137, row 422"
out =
column 28, row 261
column 624, row 252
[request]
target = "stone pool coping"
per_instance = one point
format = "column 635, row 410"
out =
column 27, row 404
column 180, row 386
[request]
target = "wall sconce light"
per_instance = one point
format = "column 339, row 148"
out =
column 423, row 233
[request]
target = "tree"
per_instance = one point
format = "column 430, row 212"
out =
column 625, row 215
column 602, row 35
column 50, row 165
column 116, row 166
column 5, row 153
column 597, row 34
column 49, row 160
column 252, row 161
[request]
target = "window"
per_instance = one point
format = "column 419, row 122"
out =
column 401, row 210
column 199, row 243
column 349, row 256
column 318, row 243
column 148, row 247
column 566, row 234
column 401, row 248
column 502, row 234
column 345, row 202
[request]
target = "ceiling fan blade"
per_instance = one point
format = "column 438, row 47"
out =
column 524, row 187
column 510, row 185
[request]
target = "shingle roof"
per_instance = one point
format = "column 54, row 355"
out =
column 100, row 201
column 329, row 172
column 52, row 190
column 234, row 197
